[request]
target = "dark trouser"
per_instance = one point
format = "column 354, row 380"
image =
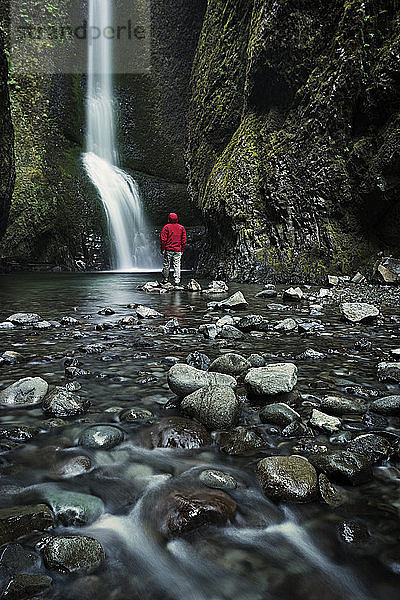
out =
column 175, row 257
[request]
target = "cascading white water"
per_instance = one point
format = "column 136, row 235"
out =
column 118, row 191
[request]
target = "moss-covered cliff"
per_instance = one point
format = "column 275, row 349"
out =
column 7, row 172
column 294, row 135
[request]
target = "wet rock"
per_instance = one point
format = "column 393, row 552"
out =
column 216, row 287
column 128, row 321
column 134, row 414
column 101, row 436
column 62, row 403
column 18, row 521
column 209, row 330
column 389, row 270
column 216, row 407
column 18, row 432
column 287, row 478
column 293, row 294
column 256, row 360
column 77, row 465
column 331, row 495
column 16, row 559
column 374, row 447
column 193, row 286
column 296, row 429
column 229, row 332
column 333, row 280
column 390, row 405
column 359, row 312
column 92, row 349
column 341, row 438
column 24, row 318
column 42, row 325
column 149, row 286
column 395, row 352
column 272, row 379
column 336, row 405
column 234, row 302
column 28, row 391
column 269, row 291
column 53, row 423
column 145, row 312
column 106, row 311
column 240, row 441
column 186, row 510
column 12, row 358
column 7, row 445
column 230, row 364
column 389, row 371
column 310, row 354
column 253, row 323
column 25, row 586
column 343, row 466
column 69, row 321
column 218, row 479
column 7, row 325
column 198, row 360
column 72, row 372
column 177, row 432
column 70, row 508
column 353, row 532
column 184, row 380
column 309, row 327
column 225, row 320
column 286, row 325
column 72, row 554
column 358, row 278
column 279, row 413
column 324, row 422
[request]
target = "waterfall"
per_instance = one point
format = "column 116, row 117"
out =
column 118, row 191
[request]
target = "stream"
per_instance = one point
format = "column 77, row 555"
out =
column 269, row 550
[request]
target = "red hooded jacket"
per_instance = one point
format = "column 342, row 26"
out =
column 173, row 235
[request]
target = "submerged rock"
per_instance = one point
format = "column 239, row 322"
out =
column 240, row 441
column 198, row 360
column 134, row 414
column 28, row 391
column 16, row 559
column 72, row 554
column 145, row 312
column 24, row 318
column 77, row 465
column 181, row 511
column 177, row 432
column 287, row 478
column 339, row 406
column 234, row 302
column 272, row 379
column 216, row 407
column 18, row 521
column 101, row 436
column 329, row 493
column 343, row 466
column 62, row 403
column 279, row 413
column 18, row 432
column 389, row 371
column 24, row 586
column 70, row 508
column 230, row 364
column 183, row 379
column 374, row 447
column 353, row 532
column 390, row 405
column 218, row 479
column 359, row 312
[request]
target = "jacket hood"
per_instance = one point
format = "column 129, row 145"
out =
column 173, row 218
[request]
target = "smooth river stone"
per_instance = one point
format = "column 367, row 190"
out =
column 287, row 478
column 184, row 380
column 72, row 554
column 216, row 407
column 218, row 479
column 28, row 391
column 272, row 379
column 101, row 436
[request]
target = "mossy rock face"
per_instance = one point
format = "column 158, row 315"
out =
column 291, row 161
column 7, row 172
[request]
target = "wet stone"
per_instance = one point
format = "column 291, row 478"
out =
column 177, row 432
column 331, row 495
column 62, row 403
column 215, row 407
column 72, row 554
column 18, row 432
column 77, row 465
column 230, row 364
column 279, row 413
column 25, row 586
column 343, row 466
column 69, row 321
column 24, row 318
column 389, row 371
column 12, row 358
column 136, row 414
column 353, row 532
column 390, row 405
column 184, row 510
column 106, row 311
column 229, row 332
column 234, row 302
column 374, row 447
column 70, row 508
column 218, row 479
column 287, row 478
column 286, row 325
column 42, row 325
column 16, row 559
column 198, row 360
column 145, row 312
column 359, row 312
column 296, row 429
column 101, row 436
column 272, row 379
column 336, row 405
column 293, row 294
column 256, row 360
column 183, row 379
column 18, row 521
column 240, row 440
column 28, row 391
column 253, row 323
column 324, row 422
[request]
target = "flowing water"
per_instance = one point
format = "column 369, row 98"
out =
column 270, row 551
column 119, row 193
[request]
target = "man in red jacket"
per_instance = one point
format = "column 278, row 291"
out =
column 173, row 242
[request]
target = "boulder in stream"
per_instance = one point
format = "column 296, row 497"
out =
column 343, row 466
column 177, row 432
column 62, row 403
column 272, row 379
column 24, row 318
column 101, row 436
column 216, row 407
column 218, row 479
column 359, row 312
column 145, row 312
column 279, row 413
column 230, row 364
column 183, row 379
column 241, row 440
column 70, row 509
column 71, row 554
column 25, row 585
column 234, row 302
column 389, row 405
column 18, row 521
column 389, row 371
column 287, row 478
column 28, row 391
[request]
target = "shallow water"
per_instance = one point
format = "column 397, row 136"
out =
column 271, row 551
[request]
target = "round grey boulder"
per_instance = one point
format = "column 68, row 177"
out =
column 28, row 391
column 389, row 371
column 215, row 407
column 230, row 364
column 70, row 508
column 62, row 403
column 72, row 554
column 390, row 405
column 184, row 380
column 272, row 379
column 135, row 414
column 101, row 436
column 336, row 405
column 287, row 478
column 279, row 413
column 218, row 479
